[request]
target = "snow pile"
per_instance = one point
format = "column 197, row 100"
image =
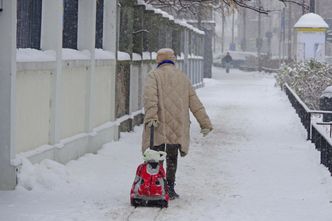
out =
column 311, row 20
column 34, row 55
column 46, row 175
column 308, row 80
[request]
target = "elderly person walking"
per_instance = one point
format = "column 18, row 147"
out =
column 168, row 97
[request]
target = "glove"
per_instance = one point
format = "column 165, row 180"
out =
column 205, row 131
column 153, row 123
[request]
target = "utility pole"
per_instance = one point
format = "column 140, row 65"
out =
column 280, row 36
column 283, row 33
column 223, row 33
column 312, row 6
column 244, row 40
column 269, row 36
column 232, row 46
column 259, row 38
column 289, row 41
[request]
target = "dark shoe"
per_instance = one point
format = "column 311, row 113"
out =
column 171, row 192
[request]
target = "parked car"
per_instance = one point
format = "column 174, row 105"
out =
column 240, row 58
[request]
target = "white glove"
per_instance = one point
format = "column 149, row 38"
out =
column 153, row 123
column 205, row 131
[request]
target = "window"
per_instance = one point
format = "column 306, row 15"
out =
column 70, row 21
column 28, row 23
column 99, row 23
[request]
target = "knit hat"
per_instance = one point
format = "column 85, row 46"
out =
column 165, row 54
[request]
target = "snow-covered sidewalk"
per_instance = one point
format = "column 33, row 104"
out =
column 255, row 166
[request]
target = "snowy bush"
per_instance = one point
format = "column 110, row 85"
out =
column 307, row 79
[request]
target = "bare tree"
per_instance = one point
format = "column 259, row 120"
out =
column 194, row 6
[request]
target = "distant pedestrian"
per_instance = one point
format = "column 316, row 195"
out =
column 168, row 97
column 227, row 61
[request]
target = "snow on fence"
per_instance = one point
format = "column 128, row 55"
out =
column 320, row 133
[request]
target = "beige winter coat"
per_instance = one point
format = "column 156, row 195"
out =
column 168, row 96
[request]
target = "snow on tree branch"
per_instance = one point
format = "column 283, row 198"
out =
column 224, row 5
column 307, row 79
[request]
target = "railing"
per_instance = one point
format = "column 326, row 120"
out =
column 301, row 109
column 323, row 144
column 316, row 131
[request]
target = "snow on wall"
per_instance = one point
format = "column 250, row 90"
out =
column 34, row 55
column 153, row 55
column 146, row 55
column 72, row 54
column 101, row 54
column 137, row 57
column 123, row 56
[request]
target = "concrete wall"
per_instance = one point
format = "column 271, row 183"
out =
column 103, row 92
column 34, row 101
column 33, row 97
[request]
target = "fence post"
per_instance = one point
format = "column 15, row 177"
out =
column 329, row 157
column 109, row 43
column 309, row 126
column 87, row 40
column 325, row 103
column 7, row 94
column 323, row 151
column 51, row 39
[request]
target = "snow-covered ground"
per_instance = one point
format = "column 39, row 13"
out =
column 255, row 166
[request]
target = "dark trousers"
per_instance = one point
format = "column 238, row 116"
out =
column 172, row 151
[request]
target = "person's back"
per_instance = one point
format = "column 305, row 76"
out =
column 228, row 61
column 173, row 88
column 168, row 97
column 228, row 58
